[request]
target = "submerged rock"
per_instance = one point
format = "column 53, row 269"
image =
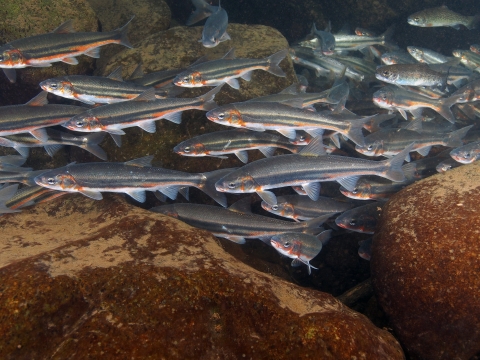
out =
column 425, row 265
column 103, row 279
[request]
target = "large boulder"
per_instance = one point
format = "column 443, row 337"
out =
column 426, row 266
column 103, row 279
column 27, row 18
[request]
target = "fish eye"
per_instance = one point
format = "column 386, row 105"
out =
column 185, row 79
column 187, row 149
column 386, row 73
column 274, row 207
column 353, row 222
column 416, row 19
column 354, row 191
column 2, row 58
column 466, row 156
column 51, row 181
column 231, row 185
column 221, row 116
column 286, row 244
column 370, row 147
column 54, row 86
column 14, row 56
column 79, row 123
column 302, row 138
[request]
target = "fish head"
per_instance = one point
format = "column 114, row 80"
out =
column 57, row 179
column 418, row 19
column 385, row 73
column 189, row 78
column 374, row 148
column 356, row 222
column 11, row 58
column 58, row 87
column 188, row 148
column 226, row 115
column 84, row 122
column 464, row 156
column 236, row 182
column 283, row 244
column 383, row 98
column 328, row 45
column 281, row 209
column 362, row 191
column 388, row 59
column 416, row 52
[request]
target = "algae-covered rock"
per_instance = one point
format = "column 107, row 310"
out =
column 30, row 17
column 102, row 279
column 177, row 48
column 426, row 265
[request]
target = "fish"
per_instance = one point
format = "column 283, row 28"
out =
column 133, row 177
column 142, row 111
column 301, row 247
column 228, row 69
column 397, row 57
column 215, row 29
column 237, row 141
column 466, row 154
column 25, row 177
column 307, row 169
column 93, row 90
column 233, row 225
column 447, row 164
column 261, row 116
column 326, row 39
column 427, row 56
column 442, row 16
column 362, row 219
column 374, row 188
column 34, row 116
column 62, row 44
column 470, row 59
column 475, row 48
column 395, row 98
column 202, row 11
column 6, row 193
column 297, row 207
column 356, row 42
column 56, row 140
column 411, row 74
column 26, row 196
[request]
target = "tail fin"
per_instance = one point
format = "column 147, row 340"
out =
column 313, row 226
column 393, row 166
column 202, row 11
column 274, row 61
column 6, row 194
column 324, row 236
column 13, row 160
column 208, row 103
column 208, row 185
column 123, row 34
column 354, row 131
column 92, row 145
column 445, row 105
column 387, row 35
column 454, row 139
column 474, row 22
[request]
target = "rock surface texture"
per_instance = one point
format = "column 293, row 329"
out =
column 103, row 279
column 426, row 265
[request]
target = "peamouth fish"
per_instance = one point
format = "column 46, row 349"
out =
column 132, row 177
column 215, row 29
column 442, row 16
column 308, row 170
column 234, row 225
column 362, row 219
column 228, row 69
column 62, row 44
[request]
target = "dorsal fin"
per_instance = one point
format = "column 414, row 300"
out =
column 39, row 100
column 145, row 161
column 314, row 148
column 65, row 28
column 147, row 95
column 242, row 206
column 230, row 55
column 116, row 74
column 415, row 125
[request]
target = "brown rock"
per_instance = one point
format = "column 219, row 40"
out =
column 426, row 265
column 102, row 279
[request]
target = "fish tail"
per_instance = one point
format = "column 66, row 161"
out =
column 122, row 33
column 354, row 130
column 387, row 35
column 274, row 61
column 454, row 139
column 6, row 194
column 445, row 105
column 474, row 22
column 207, row 99
column 325, row 236
column 393, row 166
column 202, row 10
column 207, row 185
column 313, row 226
column 92, row 145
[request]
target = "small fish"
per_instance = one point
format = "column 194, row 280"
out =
column 373, row 188
column 442, row 16
column 362, row 219
column 397, row 57
column 301, row 247
column 297, row 207
column 237, row 141
column 26, row 196
column 63, row 44
column 470, row 59
column 396, row 98
column 467, row 154
column 365, row 249
column 447, row 164
column 234, row 225
column 356, row 42
column 93, row 90
column 411, row 74
column 326, row 39
column 228, row 69
column 215, row 29
column 427, row 56
column 202, row 10
column 133, row 177
column 308, row 170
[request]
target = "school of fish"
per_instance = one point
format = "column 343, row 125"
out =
column 423, row 100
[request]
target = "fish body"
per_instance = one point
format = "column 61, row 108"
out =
column 468, row 58
column 233, row 225
column 300, row 247
column 397, row 57
column 442, row 16
column 228, row 69
column 326, row 39
column 374, row 188
column 236, row 141
column 35, row 115
column 427, row 56
column 395, row 98
column 133, row 178
column 297, row 207
column 466, row 154
column 215, row 29
column 63, row 44
column 285, row 119
column 362, row 219
column 357, row 42
column 307, row 171
column 411, row 74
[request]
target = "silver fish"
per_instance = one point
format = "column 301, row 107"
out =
column 215, row 29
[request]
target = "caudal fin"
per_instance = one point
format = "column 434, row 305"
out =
column 474, row 22
column 313, row 226
column 393, row 166
column 6, row 194
column 274, row 61
column 207, row 99
column 454, row 139
column 202, row 10
column 445, row 105
column 123, row 34
column 354, row 130
column 92, row 145
column 208, row 185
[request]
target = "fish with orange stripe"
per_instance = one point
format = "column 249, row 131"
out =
column 62, row 44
